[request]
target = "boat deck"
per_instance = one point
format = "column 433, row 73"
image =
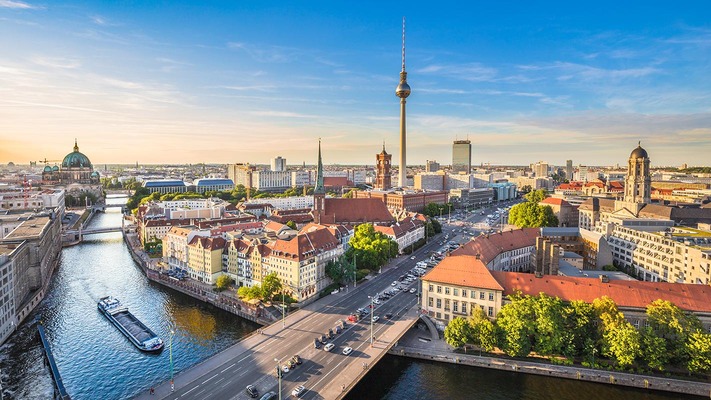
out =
column 135, row 327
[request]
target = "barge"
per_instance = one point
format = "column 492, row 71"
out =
column 138, row 333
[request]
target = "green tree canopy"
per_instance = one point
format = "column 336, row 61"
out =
column 698, row 348
column 483, row 331
column 458, row 332
column 654, row 349
column 622, row 343
column 291, row 224
column 516, row 321
column 223, row 282
column 531, row 214
column 432, row 209
column 674, row 325
column 340, row 270
column 371, row 249
column 549, row 324
column 271, row 285
column 251, row 293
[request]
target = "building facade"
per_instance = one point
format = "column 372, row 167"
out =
column 382, row 170
column 461, row 156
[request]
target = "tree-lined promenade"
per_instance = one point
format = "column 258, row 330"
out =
column 594, row 335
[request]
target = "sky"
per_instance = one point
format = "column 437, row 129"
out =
column 245, row 81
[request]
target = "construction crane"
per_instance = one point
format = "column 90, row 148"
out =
column 46, row 161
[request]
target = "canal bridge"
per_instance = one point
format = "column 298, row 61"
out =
column 325, row 374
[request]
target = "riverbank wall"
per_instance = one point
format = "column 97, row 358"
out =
column 198, row 290
column 582, row 374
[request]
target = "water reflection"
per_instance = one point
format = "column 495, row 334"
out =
column 94, row 358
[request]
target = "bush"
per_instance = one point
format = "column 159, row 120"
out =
column 362, row 273
column 330, row 288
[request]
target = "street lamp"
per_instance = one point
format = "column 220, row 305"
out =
column 278, row 375
column 372, row 313
column 355, row 268
column 172, row 384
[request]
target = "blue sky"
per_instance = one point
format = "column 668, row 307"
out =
column 187, row 82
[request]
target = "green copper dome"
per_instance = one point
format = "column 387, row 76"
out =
column 76, row 159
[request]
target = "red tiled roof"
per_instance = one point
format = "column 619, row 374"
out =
column 490, row 246
column 335, row 181
column 463, row 271
column 355, row 211
column 208, row 243
column 555, row 201
column 632, row 294
column 305, row 244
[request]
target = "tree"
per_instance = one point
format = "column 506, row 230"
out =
column 698, row 349
column 549, row 324
column 432, row 209
column 372, row 249
column 623, row 343
column 536, row 196
column 436, row 226
column 458, row 332
column 223, row 282
column 291, row 224
column 483, row 331
column 525, row 189
column 531, row 214
column 579, row 328
column 340, row 270
column 250, row 293
column 674, row 325
column 654, row 349
column 516, row 321
column 271, row 285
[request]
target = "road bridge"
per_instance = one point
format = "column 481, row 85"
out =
column 326, row 375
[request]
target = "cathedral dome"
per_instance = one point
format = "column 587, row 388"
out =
column 47, row 168
column 639, row 152
column 76, row 159
column 55, row 168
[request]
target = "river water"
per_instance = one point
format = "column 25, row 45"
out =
column 97, row 362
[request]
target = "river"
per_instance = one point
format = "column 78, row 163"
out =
column 97, row 362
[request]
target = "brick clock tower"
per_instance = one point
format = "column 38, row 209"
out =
column 382, row 176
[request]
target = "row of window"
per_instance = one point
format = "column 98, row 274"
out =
column 464, row 292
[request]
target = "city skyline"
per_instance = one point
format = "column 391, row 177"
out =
column 224, row 83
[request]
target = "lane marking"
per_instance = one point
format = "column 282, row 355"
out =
column 189, row 391
column 208, row 379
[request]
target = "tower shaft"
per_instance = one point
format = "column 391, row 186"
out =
column 402, row 173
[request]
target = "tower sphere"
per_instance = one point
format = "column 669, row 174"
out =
column 639, row 152
column 402, row 90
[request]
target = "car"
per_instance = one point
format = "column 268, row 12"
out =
column 394, row 283
column 335, row 291
column 412, row 258
column 296, row 359
column 285, row 369
column 329, row 346
column 323, row 339
column 317, row 344
column 388, row 316
column 252, row 391
column 269, row 396
column 346, row 351
column 338, row 329
column 376, row 318
column 413, row 290
column 298, row 391
column 376, row 301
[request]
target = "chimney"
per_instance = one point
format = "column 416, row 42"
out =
column 478, row 256
column 604, row 279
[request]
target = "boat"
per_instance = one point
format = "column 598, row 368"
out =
column 138, row 333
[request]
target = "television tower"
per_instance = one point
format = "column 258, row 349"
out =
column 402, row 91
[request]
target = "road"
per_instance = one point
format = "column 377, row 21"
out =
column 252, row 361
column 255, row 365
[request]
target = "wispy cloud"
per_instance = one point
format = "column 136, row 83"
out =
column 56, row 62
column 282, row 114
column 267, row 53
column 474, row 72
column 17, row 5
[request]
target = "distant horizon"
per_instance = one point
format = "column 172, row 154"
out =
column 182, row 82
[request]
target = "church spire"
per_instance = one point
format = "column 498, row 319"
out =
column 319, row 172
column 76, row 147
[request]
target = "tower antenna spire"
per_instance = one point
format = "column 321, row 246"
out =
column 403, row 44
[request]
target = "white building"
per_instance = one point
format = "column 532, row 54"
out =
column 286, row 203
column 278, row 164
